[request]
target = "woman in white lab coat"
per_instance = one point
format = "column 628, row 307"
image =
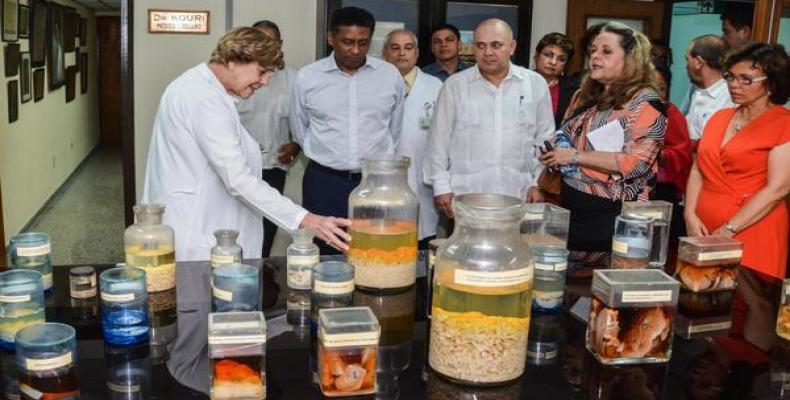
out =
column 205, row 167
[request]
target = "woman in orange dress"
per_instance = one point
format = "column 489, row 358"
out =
column 740, row 178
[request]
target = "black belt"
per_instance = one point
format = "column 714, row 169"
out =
column 350, row 175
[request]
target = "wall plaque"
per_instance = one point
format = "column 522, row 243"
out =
column 178, row 21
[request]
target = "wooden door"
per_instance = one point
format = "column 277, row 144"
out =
column 647, row 16
column 109, row 67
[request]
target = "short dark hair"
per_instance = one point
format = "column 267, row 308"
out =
column 775, row 63
column 740, row 15
column 266, row 24
column 663, row 69
column 556, row 39
column 656, row 41
column 450, row 27
column 351, row 16
column 710, row 48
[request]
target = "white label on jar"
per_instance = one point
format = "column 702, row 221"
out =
column 30, row 392
column 41, row 250
column 297, row 306
column 117, row 298
column 640, row 296
column 14, row 299
column 720, row 255
column 323, row 287
column 81, row 280
column 492, row 278
column 656, row 215
column 551, row 267
column 619, row 246
column 543, row 296
column 299, row 278
column 46, row 364
column 294, row 261
column 246, row 339
column 717, row 326
column 47, row 280
column 349, row 339
column 221, row 294
column 533, row 216
column 219, row 259
column 83, row 294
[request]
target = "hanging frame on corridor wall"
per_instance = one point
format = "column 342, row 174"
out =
column 10, row 14
column 38, row 32
column 55, row 49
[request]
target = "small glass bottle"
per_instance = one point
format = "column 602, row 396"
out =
column 301, row 256
column 632, row 241
column 124, row 306
column 150, row 246
column 227, row 251
column 46, row 357
column 21, row 303
column 82, row 282
column 32, row 251
column 550, row 264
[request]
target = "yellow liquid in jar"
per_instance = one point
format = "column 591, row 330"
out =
column 159, row 265
column 16, row 318
column 386, row 236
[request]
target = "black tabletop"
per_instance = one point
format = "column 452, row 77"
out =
column 560, row 367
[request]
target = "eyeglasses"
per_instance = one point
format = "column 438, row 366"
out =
column 742, row 79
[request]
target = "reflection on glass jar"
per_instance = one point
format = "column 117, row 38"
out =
column 609, row 382
column 438, row 388
column 482, row 293
column 163, row 313
column 84, row 309
column 545, row 333
column 298, row 307
column 395, row 313
column 10, row 376
column 383, row 210
column 701, row 314
column 780, row 369
column 128, row 372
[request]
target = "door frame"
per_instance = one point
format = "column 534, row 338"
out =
column 2, row 231
column 127, row 110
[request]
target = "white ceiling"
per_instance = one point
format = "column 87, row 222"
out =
column 101, row 5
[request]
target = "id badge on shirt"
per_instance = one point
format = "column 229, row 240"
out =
column 425, row 120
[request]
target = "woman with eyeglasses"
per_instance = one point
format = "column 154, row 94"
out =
column 552, row 55
column 739, row 181
column 607, row 147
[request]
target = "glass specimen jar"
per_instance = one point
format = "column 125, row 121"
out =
column 482, row 293
column 32, row 251
column 348, row 342
column 631, row 316
column 661, row 212
column 545, row 224
column 783, row 320
column 333, row 285
column 235, row 287
column 550, row 264
column 631, row 243
column 237, row 353
column 82, row 282
column 46, row 358
column 383, row 211
column 227, row 251
column 150, row 246
column 124, row 306
column 708, row 263
column 21, row 303
column 301, row 256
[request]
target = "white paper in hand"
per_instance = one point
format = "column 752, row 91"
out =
column 609, row 137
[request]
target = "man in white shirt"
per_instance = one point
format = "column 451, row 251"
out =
column 703, row 64
column 490, row 122
column 401, row 49
column 267, row 117
column 347, row 107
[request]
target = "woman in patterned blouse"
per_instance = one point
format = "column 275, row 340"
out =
column 617, row 103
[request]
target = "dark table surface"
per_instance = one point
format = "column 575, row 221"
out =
column 702, row 368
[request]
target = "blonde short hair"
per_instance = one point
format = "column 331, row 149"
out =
column 246, row 45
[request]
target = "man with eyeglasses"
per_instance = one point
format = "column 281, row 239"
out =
column 489, row 124
column 703, row 64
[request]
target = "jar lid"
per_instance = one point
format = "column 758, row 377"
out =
column 82, row 271
column 303, row 236
column 635, row 287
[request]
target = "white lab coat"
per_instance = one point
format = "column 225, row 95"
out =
column 205, row 168
column 419, row 105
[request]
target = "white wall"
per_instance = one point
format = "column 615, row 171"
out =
column 547, row 16
column 49, row 140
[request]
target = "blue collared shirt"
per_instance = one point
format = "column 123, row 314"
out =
column 436, row 70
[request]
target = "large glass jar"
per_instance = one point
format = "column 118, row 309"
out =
column 482, row 290
column 383, row 210
column 150, row 246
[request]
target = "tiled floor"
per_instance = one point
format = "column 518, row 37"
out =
column 85, row 217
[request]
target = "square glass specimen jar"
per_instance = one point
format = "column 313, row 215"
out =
column 661, row 212
column 237, row 353
column 348, row 341
column 631, row 316
column 708, row 263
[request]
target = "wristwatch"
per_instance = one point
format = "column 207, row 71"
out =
column 575, row 157
column 730, row 228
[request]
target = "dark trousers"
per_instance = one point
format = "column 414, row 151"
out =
column 275, row 177
column 325, row 192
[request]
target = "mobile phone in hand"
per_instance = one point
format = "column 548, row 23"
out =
column 548, row 145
